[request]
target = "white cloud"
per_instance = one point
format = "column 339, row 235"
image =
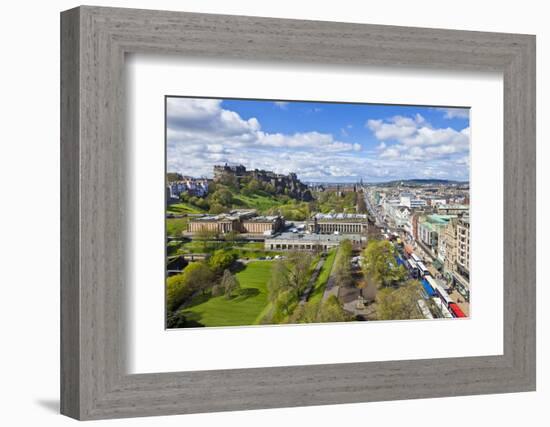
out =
column 283, row 105
column 413, row 138
column 201, row 132
column 398, row 127
column 455, row 113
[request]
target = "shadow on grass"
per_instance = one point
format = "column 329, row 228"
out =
column 198, row 299
column 192, row 319
column 246, row 293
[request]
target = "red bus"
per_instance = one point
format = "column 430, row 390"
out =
column 455, row 309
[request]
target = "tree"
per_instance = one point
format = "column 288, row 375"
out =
column 369, row 290
column 284, row 305
column 297, row 265
column 254, row 185
column 278, row 281
column 217, row 290
column 306, row 313
column 230, row 180
column 342, row 264
column 401, row 303
column 221, row 260
column 184, row 197
column 289, row 278
column 380, row 263
column 230, row 284
column 178, row 289
column 173, row 176
column 202, row 203
column 361, row 204
column 332, row 311
column 206, row 236
column 181, row 287
column 216, row 208
column 179, row 320
column 232, row 236
column 222, row 196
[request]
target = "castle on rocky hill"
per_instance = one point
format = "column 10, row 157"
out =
column 283, row 184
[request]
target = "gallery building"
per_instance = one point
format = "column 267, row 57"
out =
column 310, row 242
column 342, row 223
column 237, row 221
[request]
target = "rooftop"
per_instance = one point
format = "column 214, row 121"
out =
column 316, row 237
column 338, row 216
column 264, row 218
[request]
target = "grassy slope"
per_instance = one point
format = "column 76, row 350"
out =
column 174, row 226
column 241, row 310
column 256, row 201
column 321, row 281
column 183, row 208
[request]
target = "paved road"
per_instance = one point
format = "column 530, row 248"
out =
column 331, row 288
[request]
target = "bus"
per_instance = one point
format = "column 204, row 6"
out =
column 455, row 310
column 422, row 268
column 424, row 309
column 440, row 291
column 413, row 269
column 415, row 257
column 442, row 308
column 428, row 288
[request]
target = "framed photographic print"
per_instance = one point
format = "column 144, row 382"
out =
column 262, row 213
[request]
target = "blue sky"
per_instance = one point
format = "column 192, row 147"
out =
column 330, row 142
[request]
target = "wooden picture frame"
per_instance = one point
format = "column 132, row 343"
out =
column 94, row 382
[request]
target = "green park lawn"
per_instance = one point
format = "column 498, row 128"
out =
column 243, row 309
column 322, row 279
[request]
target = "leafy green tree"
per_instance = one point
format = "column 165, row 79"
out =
column 178, row 319
column 216, row 208
column 332, row 311
column 284, row 305
column 180, row 287
column 178, row 290
column 279, row 280
column 289, row 278
column 221, row 260
column 400, row 303
column 202, row 203
column 342, row 264
column 230, row 284
column 229, row 180
column 173, row 176
column 207, row 238
column 254, row 185
column 298, row 266
column 222, row 196
column 380, row 263
column 217, row 290
column 306, row 313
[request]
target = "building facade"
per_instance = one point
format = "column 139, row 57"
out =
column 463, row 246
column 263, row 224
column 338, row 223
column 245, row 221
column 310, row 242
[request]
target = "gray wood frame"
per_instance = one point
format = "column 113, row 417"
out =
column 94, row 41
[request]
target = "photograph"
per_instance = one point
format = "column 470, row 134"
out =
column 293, row 212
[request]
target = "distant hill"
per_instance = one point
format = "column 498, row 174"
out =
column 421, row 182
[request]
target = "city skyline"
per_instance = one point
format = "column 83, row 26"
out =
column 321, row 142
